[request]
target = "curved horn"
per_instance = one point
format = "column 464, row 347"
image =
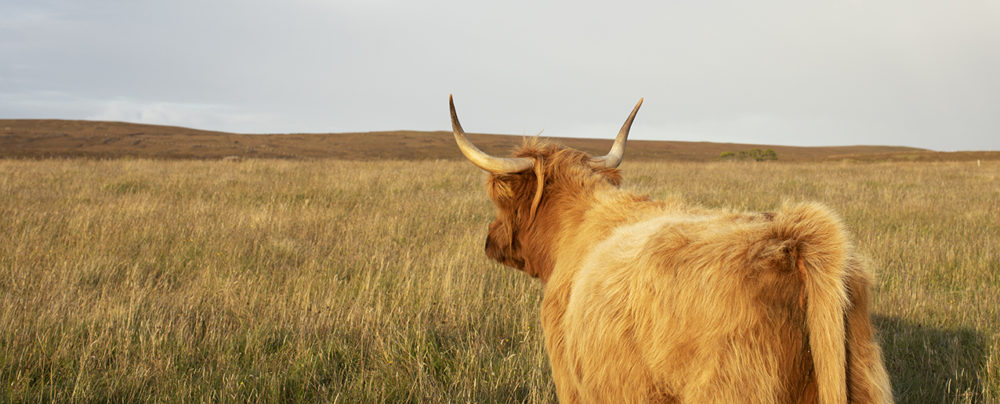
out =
column 496, row 165
column 614, row 157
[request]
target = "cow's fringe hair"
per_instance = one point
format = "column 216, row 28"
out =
column 539, row 169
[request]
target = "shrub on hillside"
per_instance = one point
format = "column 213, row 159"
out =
column 752, row 154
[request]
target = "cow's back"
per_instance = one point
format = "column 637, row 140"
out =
column 682, row 305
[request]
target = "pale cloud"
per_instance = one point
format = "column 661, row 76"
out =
column 917, row 73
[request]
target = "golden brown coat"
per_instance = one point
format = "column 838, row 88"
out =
column 659, row 301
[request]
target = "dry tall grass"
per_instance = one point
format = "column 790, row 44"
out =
column 130, row 280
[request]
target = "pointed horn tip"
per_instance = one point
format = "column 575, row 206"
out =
column 451, row 108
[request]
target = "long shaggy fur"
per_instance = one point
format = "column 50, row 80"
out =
column 658, row 301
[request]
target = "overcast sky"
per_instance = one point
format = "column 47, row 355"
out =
column 895, row 72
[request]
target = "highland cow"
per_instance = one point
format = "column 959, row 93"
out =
column 661, row 301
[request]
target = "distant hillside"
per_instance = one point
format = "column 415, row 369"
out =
column 61, row 138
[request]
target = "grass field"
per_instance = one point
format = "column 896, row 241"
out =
column 332, row 281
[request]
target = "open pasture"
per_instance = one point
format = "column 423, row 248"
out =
column 336, row 281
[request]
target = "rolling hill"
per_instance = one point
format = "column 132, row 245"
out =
column 29, row 138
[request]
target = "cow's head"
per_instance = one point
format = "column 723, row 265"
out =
column 516, row 186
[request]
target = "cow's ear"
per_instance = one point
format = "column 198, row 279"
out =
column 513, row 195
column 611, row 175
column 498, row 190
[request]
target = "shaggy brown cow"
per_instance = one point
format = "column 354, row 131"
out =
column 659, row 301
